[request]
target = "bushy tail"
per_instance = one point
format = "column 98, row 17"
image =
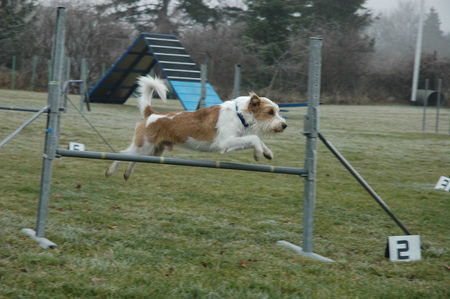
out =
column 147, row 86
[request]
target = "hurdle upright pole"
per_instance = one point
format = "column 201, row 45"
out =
column 311, row 131
column 52, row 131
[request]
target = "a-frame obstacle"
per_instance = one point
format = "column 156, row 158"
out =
column 164, row 54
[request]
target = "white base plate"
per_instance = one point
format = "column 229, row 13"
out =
column 300, row 251
column 42, row 242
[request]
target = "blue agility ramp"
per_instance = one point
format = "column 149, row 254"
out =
column 165, row 55
column 189, row 94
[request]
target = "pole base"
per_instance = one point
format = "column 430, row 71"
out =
column 300, row 251
column 42, row 242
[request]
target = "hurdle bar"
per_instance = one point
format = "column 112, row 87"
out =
column 182, row 162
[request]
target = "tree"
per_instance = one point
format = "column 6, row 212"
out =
column 434, row 41
column 14, row 16
column 166, row 16
column 395, row 35
column 345, row 14
column 99, row 39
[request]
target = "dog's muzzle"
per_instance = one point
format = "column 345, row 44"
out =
column 281, row 128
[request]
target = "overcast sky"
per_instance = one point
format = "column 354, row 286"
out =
column 442, row 7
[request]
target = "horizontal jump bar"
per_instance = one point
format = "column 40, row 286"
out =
column 182, row 162
column 20, row 109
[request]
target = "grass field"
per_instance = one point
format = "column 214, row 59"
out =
column 183, row 232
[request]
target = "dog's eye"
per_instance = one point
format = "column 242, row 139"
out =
column 271, row 112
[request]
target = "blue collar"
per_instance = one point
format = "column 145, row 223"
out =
column 241, row 117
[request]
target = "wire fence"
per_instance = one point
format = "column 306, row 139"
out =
column 35, row 73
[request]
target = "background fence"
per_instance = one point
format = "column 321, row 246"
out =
column 35, row 73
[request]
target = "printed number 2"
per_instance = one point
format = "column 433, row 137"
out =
column 401, row 250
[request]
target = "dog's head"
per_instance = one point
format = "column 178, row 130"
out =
column 266, row 114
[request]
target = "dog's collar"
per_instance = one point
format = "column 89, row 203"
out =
column 241, row 118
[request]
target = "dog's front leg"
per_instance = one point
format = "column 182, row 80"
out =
column 247, row 142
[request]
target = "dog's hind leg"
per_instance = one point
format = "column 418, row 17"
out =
column 112, row 168
column 129, row 170
column 132, row 149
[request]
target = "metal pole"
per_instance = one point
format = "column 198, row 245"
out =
column 23, row 126
column 33, row 72
column 49, row 70
column 66, row 69
column 182, row 162
column 363, row 183
column 311, row 133
column 417, row 54
column 425, row 104
column 19, row 109
column 237, row 81
column 51, row 136
column 65, row 81
column 13, row 73
column 83, row 84
column 204, row 76
column 438, row 105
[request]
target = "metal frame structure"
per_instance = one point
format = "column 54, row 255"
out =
column 51, row 150
column 309, row 172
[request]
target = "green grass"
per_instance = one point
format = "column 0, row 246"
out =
column 183, row 232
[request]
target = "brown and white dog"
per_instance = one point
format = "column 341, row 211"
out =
column 231, row 126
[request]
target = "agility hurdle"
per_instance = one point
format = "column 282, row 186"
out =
column 51, row 150
column 311, row 132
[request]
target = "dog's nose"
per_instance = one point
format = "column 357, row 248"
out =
column 284, row 125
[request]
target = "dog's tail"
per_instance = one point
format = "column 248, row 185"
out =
column 147, row 86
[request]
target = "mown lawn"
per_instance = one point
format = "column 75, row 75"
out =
column 182, row 232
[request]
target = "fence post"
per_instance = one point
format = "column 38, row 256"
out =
column 83, row 84
column 425, row 104
column 49, row 70
column 66, row 75
column 52, row 132
column 438, row 105
column 204, row 76
column 237, row 81
column 33, row 72
column 13, row 73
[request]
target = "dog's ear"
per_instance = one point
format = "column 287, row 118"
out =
column 255, row 101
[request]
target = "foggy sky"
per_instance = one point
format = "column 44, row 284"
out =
column 441, row 6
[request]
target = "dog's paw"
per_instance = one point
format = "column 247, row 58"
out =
column 108, row 173
column 257, row 154
column 268, row 153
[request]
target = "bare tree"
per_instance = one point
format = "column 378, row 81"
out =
column 97, row 38
column 395, row 35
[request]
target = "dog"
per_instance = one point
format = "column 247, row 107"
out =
column 234, row 125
